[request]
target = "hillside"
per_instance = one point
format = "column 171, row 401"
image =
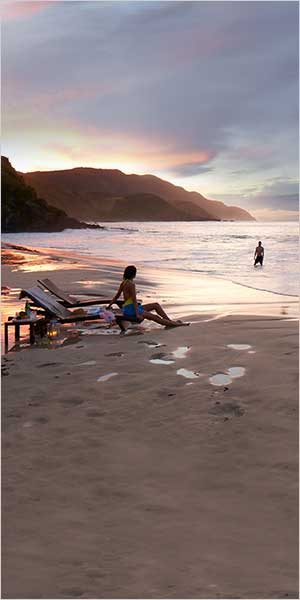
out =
column 23, row 210
column 140, row 207
column 98, row 194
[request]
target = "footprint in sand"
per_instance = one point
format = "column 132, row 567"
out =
column 227, row 408
column 72, row 402
column 41, row 420
column 92, row 413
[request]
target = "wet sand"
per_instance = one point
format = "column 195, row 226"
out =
column 126, row 478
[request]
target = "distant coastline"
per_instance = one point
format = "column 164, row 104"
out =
column 111, row 195
column 57, row 200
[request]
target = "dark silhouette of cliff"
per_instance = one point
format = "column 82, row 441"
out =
column 23, row 210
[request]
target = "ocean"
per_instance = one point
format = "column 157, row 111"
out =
column 220, row 249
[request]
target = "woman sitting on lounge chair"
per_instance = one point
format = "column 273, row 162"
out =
column 131, row 308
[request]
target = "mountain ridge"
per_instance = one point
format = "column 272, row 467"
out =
column 84, row 191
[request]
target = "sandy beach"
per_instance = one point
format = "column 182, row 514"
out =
column 128, row 469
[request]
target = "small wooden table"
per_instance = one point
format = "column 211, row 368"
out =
column 17, row 323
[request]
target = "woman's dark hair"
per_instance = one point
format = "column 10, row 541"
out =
column 130, row 272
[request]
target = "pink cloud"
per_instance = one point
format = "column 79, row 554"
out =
column 14, row 10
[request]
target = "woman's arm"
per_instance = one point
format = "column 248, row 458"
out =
column 117, row 295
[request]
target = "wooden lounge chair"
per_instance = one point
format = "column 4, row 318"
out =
column 54, row 309
column 70, row 301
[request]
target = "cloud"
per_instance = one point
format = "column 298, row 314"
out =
column 278, row 195
column 191, row 169
column 15, row 10
column 202, row 91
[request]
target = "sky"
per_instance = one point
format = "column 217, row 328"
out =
column 203, row 94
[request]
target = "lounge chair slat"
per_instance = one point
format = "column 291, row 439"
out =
column 50, row 285
column 70, row 301
column 47, row 302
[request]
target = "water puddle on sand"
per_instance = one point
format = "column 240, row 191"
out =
column 220, row 379
column 87, row 363
column 235, row 372
column 181, row 351
column 107, row 377
column 160, row 361
column 239, row 346
column 226, row 378
column 188, row 374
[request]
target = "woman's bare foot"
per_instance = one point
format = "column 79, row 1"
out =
column 177, row 324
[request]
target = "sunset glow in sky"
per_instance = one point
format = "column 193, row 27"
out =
column 204, row 94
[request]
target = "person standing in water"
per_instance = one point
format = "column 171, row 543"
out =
column 259, row 255
column 131, row 308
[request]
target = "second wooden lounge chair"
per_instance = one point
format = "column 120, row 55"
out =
column 54, row 309
column 68, row 300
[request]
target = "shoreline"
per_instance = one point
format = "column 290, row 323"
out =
column 190, row 292
column 184, row 295
column 225, row 254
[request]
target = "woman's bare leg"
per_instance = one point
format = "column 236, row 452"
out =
column 166, row 322
column 158, row 309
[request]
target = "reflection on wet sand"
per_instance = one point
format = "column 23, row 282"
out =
column 32, row 260
column 181, row 351
column 220, row 379
column 236, row 372
column 106, row 377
